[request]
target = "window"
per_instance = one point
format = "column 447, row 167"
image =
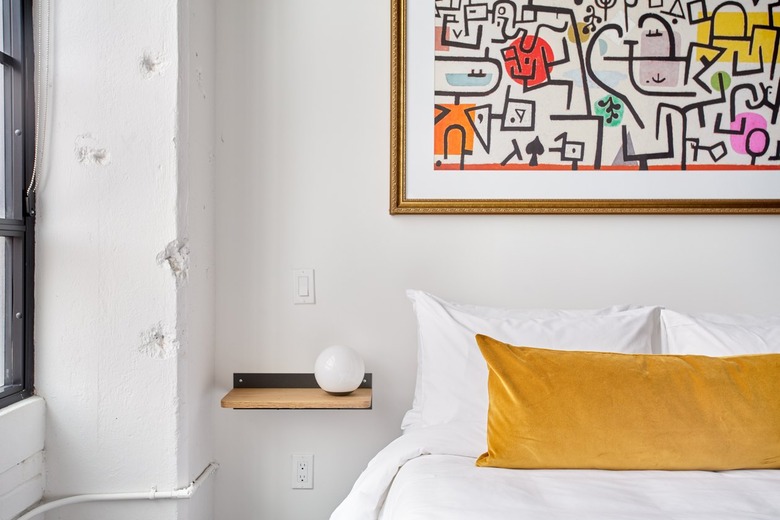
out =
column 16, row 209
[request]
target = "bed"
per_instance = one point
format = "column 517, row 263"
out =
column 483, row 440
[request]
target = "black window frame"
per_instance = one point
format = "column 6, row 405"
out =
column 18, row 224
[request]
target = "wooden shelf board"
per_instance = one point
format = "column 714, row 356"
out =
column 295, row 398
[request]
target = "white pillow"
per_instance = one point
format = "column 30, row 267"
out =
column 719, row 334
column 452, row 375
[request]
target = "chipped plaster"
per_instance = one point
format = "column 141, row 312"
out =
column 152, row 64
column 88, row 153
column 177, row 256
column 156, row 343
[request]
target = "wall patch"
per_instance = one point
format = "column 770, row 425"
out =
column 152, row 65
column 177, row 255
column 87, row 151
column 156, row 344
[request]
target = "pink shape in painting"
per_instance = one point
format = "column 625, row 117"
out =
column 752, row 121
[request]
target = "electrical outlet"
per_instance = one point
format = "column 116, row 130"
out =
column 302, row 470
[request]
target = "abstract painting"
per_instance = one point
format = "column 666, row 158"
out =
column 583, row 106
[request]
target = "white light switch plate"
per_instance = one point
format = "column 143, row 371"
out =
column 303, row 286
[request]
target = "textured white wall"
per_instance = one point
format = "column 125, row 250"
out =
column 122, row 376
column 196, row 226
column 303, row 181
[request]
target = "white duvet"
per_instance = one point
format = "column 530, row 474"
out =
column 429, row 474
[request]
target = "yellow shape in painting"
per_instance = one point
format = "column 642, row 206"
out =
column 725, row 26
column 584, row 36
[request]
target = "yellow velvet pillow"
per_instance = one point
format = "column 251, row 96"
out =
column 580, row 410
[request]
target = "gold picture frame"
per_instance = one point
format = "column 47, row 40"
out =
column 763, row 199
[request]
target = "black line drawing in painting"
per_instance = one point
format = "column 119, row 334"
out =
column 577, row 85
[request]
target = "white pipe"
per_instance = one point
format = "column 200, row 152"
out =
column 152, row 494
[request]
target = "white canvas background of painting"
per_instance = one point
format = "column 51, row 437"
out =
column 423, row 182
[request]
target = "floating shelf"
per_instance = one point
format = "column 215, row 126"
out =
column 292, row 391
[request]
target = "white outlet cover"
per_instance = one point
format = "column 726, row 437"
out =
column 302, row 470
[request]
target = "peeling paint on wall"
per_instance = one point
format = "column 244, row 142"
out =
column 177, row 256
column 152, row 64
column 157, row 344
column 87, row 151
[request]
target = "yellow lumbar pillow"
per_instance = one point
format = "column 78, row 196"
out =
column 593, row 410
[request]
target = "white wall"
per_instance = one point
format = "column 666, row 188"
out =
column 302, row 181
column 124, row 349
column 196, row 227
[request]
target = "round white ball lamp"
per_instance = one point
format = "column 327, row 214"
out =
column 339, row 370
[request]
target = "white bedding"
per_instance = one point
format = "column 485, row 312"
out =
column 429, row 474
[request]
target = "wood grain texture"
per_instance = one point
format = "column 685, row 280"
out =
column 295, row 398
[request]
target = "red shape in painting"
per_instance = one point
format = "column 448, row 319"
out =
column 526, row 60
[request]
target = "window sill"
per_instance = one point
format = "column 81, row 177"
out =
column 22, row 429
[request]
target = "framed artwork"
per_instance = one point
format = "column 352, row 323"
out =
column 585, row 106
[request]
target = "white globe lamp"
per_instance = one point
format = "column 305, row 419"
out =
column 339, row 370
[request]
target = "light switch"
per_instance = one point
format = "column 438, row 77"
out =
column 303, row 286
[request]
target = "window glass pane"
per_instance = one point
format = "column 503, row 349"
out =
column 16, row 370
column 6, row 361
column 4, row 109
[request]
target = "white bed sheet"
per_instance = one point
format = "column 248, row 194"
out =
column 433, row 477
